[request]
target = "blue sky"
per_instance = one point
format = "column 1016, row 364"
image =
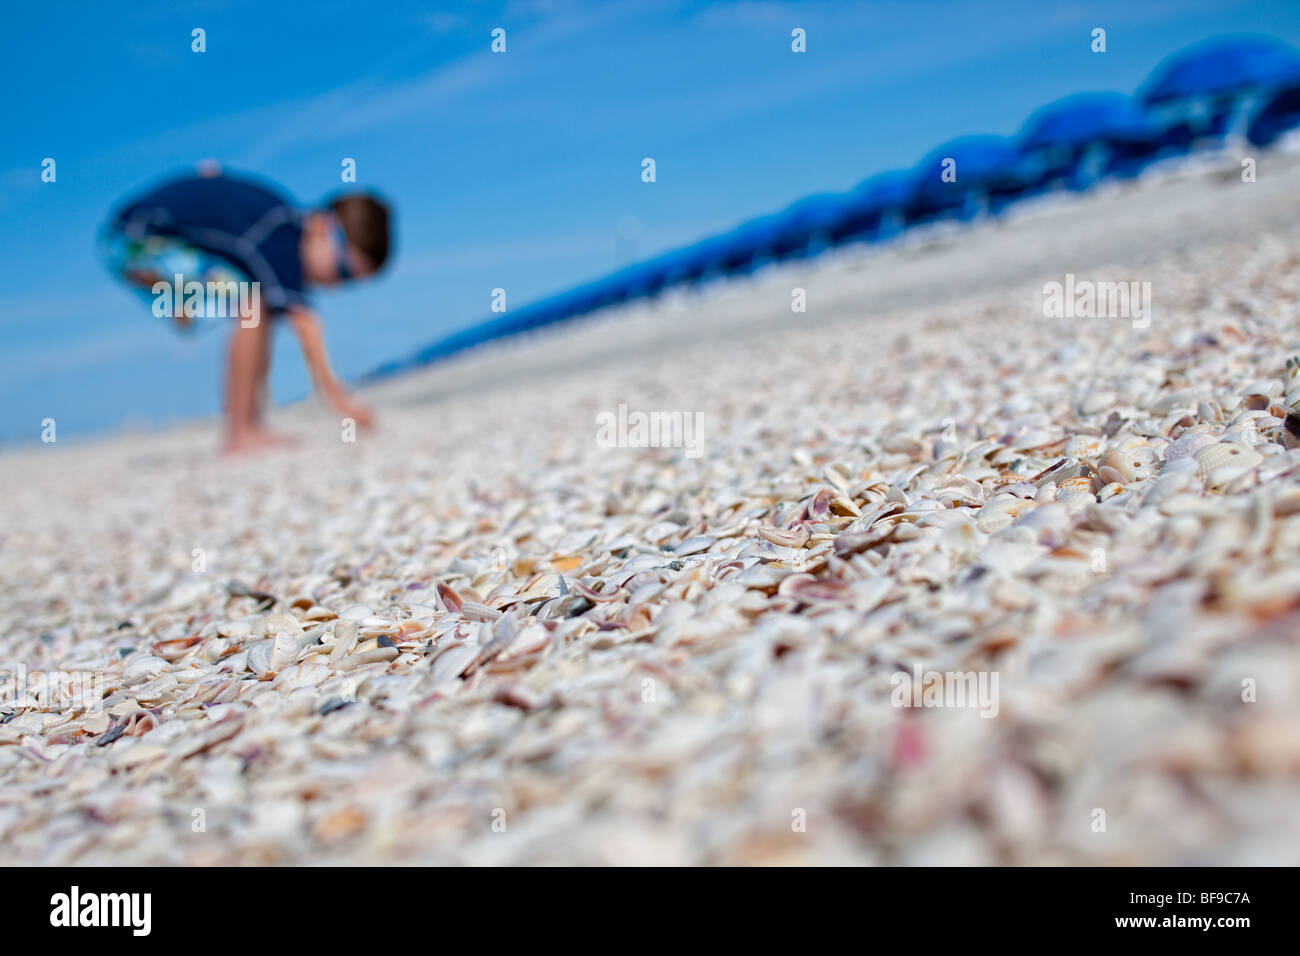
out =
column 518, row 170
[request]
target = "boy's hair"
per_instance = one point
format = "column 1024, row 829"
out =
column 364, row 218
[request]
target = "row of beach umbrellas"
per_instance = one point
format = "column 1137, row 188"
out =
column 1226, row 91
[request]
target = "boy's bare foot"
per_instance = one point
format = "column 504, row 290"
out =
column 253, row 441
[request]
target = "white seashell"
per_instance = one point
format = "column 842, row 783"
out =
column 660, row 531
column 1083, row 446
column 1223, row 462
column 1167, row 485
column 258, row 658
column 452, row 662
column 345, row 638
column 959, row 540
column 1188, row 444
column 902, row 444
column 284, row 651
column 274, row 623
column 1180, row 464
column 1094, row 403
column 1166, row 403
column 1127, row 465
column 694, row 545
column 473, row 611
column 1109, row 491
column 1076, row 501
column 143, row 668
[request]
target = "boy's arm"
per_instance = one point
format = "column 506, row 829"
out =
column 311, row 339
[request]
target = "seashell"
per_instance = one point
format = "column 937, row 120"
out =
column 760, row 576
column 175, row 649
column 1168, row 485
column 1036, row 438
column 838, row 475
column 598, row 597
column 1094, row 403
column 945, row 449
column 142, row 668
column 273, row 623
column 569, row 605
column 473, row 611
column 1188, row 444
column 901, row 444
column 1127, row 465
column 1001, row 512
column 1082, row 483
column 450, row 599
column 1048, row 517
column 959, row 540
column 452, row 662
column 841, row 505
column 258, row 658
column 1109, row 491
column 238, row 630
column 1223, row 462
column 813, row 590
column 1179, row 464
column 371, row 655
column 694, row 545
column 1166, row 403
column 356, row 612
column 793, row 538
column 345, row 638
column 850, row 543
column 1019, row 489
column 819, row 508
column 1083, row 446
column 283, row 651
column 1057, row 472
column 1209, row 412
column 660, row 531
column 1075, row 501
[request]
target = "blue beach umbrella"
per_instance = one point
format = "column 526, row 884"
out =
column 876, row 207
column 750, row 244
column 1222, row 65
column 806, row 226
column 1085, row 118
column 697, row 261
column 634, row 281
column 980, row 165
column 1209, row 90
column 1076, row 137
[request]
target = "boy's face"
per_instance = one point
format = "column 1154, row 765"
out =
column 326, row 258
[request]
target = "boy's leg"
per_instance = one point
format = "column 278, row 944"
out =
column 247, row 365
column 260, row 400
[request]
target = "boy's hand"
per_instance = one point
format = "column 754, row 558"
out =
column 349, row 407
column 311, row 338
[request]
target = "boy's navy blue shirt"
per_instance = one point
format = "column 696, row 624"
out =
column 243, row 222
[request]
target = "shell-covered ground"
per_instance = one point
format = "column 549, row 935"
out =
column 482, row 636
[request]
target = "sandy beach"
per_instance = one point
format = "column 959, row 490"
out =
column 480, row 636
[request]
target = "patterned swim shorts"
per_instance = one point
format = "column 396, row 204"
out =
column 144, row 262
